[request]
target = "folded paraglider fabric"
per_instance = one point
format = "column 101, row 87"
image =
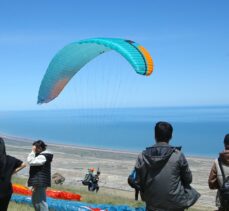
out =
column 22, row 190
column 63, row 205
column 62, row 195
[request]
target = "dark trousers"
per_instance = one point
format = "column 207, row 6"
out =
column 4, row 202
column 93, row 187
column 39, row 199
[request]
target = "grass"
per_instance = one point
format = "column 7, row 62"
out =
column 105, row 196
column 19, row 207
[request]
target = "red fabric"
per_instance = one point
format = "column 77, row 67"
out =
column 63, row 195
column 22, row 190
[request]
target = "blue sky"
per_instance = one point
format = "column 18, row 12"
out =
column 188, row 40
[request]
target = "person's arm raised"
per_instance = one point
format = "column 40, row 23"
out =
column 34, row 160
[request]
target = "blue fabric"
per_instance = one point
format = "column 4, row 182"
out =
column 64, row 205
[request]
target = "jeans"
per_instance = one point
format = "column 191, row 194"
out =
column 39, row 199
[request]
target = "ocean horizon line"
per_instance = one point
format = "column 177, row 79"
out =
column 121, row 107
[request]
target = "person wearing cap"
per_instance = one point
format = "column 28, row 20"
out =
column 163, row 174
column 215, row 180
column 39, row 174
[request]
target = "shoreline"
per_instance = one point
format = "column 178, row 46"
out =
column 91, row 148
column 31, row 140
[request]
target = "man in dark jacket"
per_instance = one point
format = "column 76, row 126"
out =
column 215, row 180
column 164, row 174
column 39, row 174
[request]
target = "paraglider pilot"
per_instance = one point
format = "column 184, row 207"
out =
column 91, row 180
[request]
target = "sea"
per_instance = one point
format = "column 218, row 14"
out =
column 199, row 130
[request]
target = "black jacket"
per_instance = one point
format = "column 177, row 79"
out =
column 40, row 175
column 165, row 178
column 12, row 164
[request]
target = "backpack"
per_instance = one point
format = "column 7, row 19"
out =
column 132, row 180
column 87, row 179
column 58, row 178
column 224, row 190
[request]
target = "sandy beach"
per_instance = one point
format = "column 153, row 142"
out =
column 73, row 161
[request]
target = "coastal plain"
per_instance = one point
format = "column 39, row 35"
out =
column 115, row 166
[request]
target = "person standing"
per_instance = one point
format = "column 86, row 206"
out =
column 39, row 174
column 164, row 175
column 8, row 166
column 218, row 174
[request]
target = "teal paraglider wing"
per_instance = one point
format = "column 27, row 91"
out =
column 69, row 60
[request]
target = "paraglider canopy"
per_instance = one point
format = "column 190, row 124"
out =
column 69, row 60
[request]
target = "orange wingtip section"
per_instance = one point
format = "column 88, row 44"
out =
column 148, row 58
column 58, row 88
